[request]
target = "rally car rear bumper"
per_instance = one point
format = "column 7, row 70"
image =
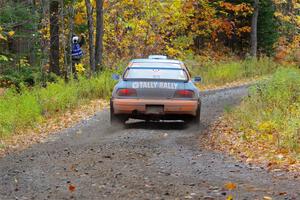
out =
column 168, row 107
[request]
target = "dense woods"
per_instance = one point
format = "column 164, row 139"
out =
column 35, row 35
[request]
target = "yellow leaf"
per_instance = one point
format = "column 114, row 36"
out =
column 230, row 197
column 11, row 33
column 267, row 198
column 230, row 186
column 2, row 37
column 79, row 19
column 297, row 19
column 80, row 68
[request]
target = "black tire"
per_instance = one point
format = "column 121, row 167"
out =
column 196, row 119
column 116, row 120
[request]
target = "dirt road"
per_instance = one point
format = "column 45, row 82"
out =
column 142, row 161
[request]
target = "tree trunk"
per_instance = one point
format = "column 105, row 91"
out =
column 254, row 29
column 89, row 9
column 290, row 7
column 64, row 40
column 32, row 57
column 44, row 43
column 99, row 34
column 71, row 26
column 54, row 37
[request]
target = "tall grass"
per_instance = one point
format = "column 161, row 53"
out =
column 219, row 73
column 26, row 108
column 271, row 113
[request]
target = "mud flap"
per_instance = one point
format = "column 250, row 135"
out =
column 195, row 121
column 116, row 120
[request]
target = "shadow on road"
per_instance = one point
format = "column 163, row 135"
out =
column 161, row 125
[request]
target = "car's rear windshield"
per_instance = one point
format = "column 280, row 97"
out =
column 157, row 65
column 156, row 73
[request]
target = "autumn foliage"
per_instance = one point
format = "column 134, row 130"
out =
column 137, row 28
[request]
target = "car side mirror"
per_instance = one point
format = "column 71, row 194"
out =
column 116, row 77
column 197, row 79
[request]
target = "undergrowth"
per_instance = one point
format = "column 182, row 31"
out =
column 220, row 73
column 271, row 112
column 26, row 107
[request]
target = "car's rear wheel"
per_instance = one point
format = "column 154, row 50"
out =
column 195, row 121
column 116, row 120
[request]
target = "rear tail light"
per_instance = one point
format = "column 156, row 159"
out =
column 184, row 94
column 126, row 92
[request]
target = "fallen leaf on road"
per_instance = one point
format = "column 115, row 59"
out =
column 230, row 197
column 267, row 198
column 72, row 188
column 230, row 186
column 282, row 193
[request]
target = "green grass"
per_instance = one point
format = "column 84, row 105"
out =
column 220, row 73
column 28, row 107
column 271, row 113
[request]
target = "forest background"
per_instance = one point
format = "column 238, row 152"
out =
column 35, row 35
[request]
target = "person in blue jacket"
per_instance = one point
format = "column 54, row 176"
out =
column 77, row 52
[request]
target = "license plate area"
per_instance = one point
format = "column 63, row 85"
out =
column 154, row 109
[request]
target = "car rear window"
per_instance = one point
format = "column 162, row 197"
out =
column 157, row 65
column 156, row 73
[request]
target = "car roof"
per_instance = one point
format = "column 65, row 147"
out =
column 143, row 60
column 170, row 64
column 156, row 63
column 158, row 57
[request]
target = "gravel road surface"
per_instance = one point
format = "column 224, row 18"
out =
column 157, row 160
